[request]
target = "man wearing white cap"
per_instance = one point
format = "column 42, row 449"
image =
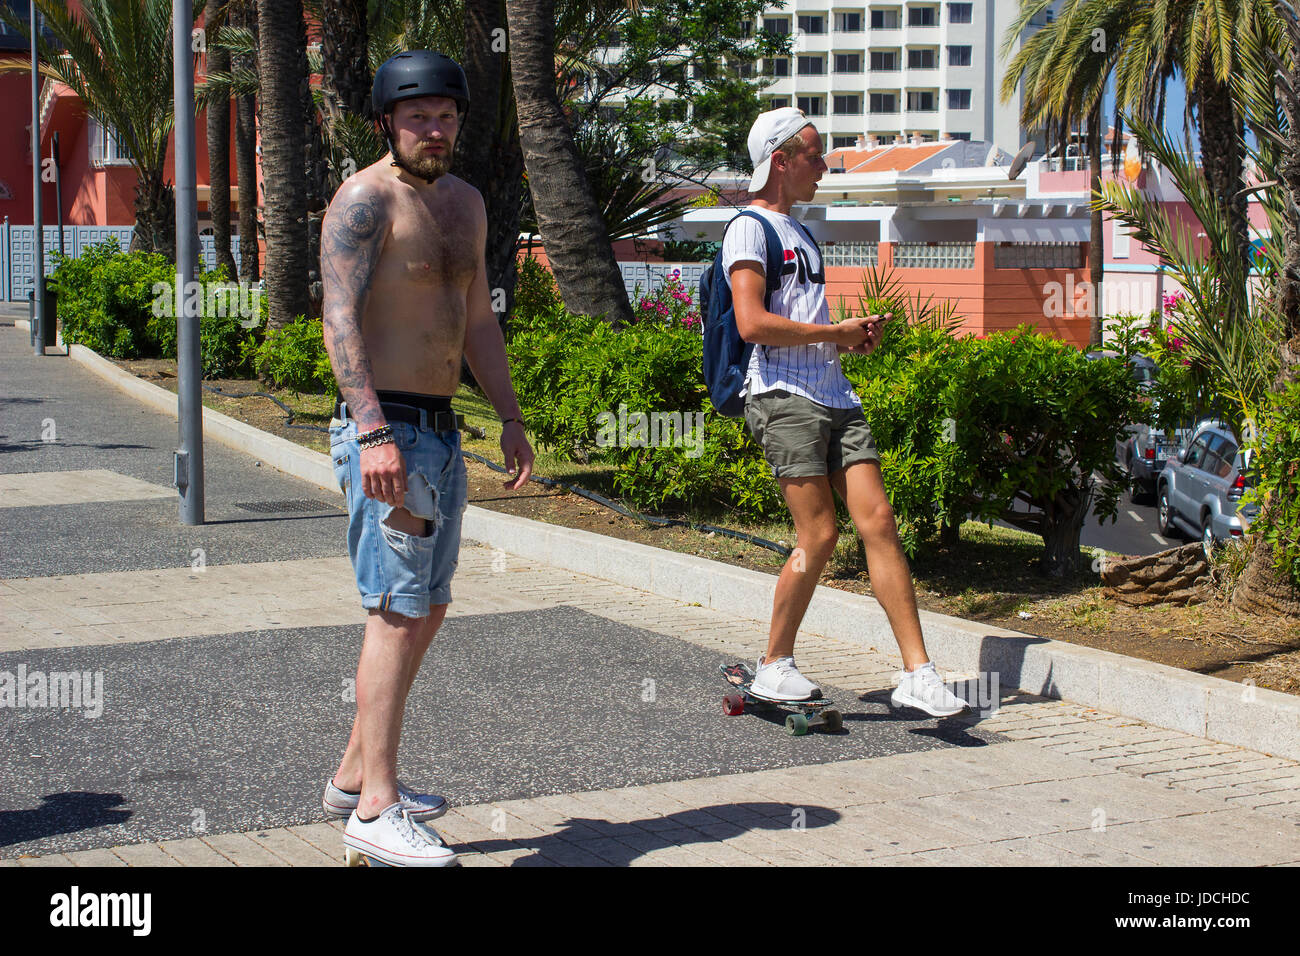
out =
column 809, row 421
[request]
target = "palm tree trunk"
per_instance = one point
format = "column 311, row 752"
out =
column 218, row 123
column 1221, row 130
column 1096, row 249
column 345, row 76
column 571, row 225
column 155, row 214
column 488, row 155
column 282, row 75
column 1262, row 589
column 246, row 166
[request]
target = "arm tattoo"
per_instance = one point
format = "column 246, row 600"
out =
column 351, row 242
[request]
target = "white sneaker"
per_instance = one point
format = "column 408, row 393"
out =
column 339, row 804
column 924, row 689
column 781, row 680
column 393, row 839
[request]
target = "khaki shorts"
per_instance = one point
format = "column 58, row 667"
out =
column 803, row 439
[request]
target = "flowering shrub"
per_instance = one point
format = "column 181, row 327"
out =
column 671, row 305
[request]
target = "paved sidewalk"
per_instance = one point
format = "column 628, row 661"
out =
column 570, row 721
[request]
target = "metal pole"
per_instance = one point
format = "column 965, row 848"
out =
column 37, row 220
column 189, row 457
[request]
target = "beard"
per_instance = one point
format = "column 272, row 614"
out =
column 427, row 166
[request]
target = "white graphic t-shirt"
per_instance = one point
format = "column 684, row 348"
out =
column 812, row 371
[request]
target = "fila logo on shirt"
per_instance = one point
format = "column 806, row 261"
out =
column 797, row 261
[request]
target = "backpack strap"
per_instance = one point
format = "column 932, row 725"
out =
column 775, row 253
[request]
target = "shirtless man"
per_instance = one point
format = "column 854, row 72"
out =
column 402, row 257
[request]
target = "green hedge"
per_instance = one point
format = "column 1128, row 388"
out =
column 1278, row 486
column 963, row 425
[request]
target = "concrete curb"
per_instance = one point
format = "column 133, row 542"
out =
column 1242, row 716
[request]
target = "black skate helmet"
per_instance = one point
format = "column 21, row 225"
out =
column 418, row 73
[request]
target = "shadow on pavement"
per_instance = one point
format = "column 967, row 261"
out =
column 618, row 844
column 62, row 813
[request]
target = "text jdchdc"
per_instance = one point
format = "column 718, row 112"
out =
column 65, row 690
column 653, row 430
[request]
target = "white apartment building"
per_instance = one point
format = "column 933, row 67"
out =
column 927, row 69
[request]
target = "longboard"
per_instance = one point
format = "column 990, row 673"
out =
column 808, row 713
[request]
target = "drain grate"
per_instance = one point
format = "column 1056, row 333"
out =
column 299, row 505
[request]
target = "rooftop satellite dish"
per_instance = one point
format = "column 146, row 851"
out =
column 1022, row 157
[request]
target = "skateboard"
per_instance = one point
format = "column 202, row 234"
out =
column 354, row 857
column 808, row 713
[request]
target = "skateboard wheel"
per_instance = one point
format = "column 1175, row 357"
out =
column 834, row 720
column 352, row 858
column 733, row 704
column 797, row 725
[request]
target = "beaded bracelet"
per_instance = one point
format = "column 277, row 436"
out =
column 376, row 436
column 507, row 421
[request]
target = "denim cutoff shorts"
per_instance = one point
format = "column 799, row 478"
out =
column 396, row 571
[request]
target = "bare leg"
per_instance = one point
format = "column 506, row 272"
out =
column 863, row 491
column 813, row 509
column 391, row 655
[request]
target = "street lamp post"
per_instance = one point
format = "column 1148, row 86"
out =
column 189, row 456
column 38, row 224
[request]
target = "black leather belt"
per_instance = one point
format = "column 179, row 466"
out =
column 406, row 407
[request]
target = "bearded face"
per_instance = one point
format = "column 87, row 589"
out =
column 423, row 134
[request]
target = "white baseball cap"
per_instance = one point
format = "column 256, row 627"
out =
column 769, row 131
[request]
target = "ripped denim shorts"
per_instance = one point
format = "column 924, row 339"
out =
column 396, row 571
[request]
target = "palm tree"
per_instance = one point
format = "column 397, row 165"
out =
column 117, row 58
column 246, row 148
column 282, row 71
column 569, row 218
column 218, row 123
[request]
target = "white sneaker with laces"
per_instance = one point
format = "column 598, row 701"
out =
column 781, row 680
column 393, row 839
column 339, row 804
column 924, row 689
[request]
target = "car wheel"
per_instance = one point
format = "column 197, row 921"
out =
column 1208, row 543
column 1163, row 513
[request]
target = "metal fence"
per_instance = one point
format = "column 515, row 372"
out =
column 649, row 276
column 934, row 255
column 18, row 252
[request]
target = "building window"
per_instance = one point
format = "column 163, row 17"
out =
column 848, row 62
column 843, row 142
column 848, row 22
column 777, row 66
column 104, row 147
column 960, row 12
column 962, row 136
column 959, row 56
column 812, row 23
column 779, row 102
column 920, row 101
column 959, row 99
column 778, row 25
column 849, row 104
column 884, row 20
column 812, row 66
column 746, row 28
column 922, row 16
column 922, row 59
column 812, row 105
column 884, row 102
column 884, row 61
